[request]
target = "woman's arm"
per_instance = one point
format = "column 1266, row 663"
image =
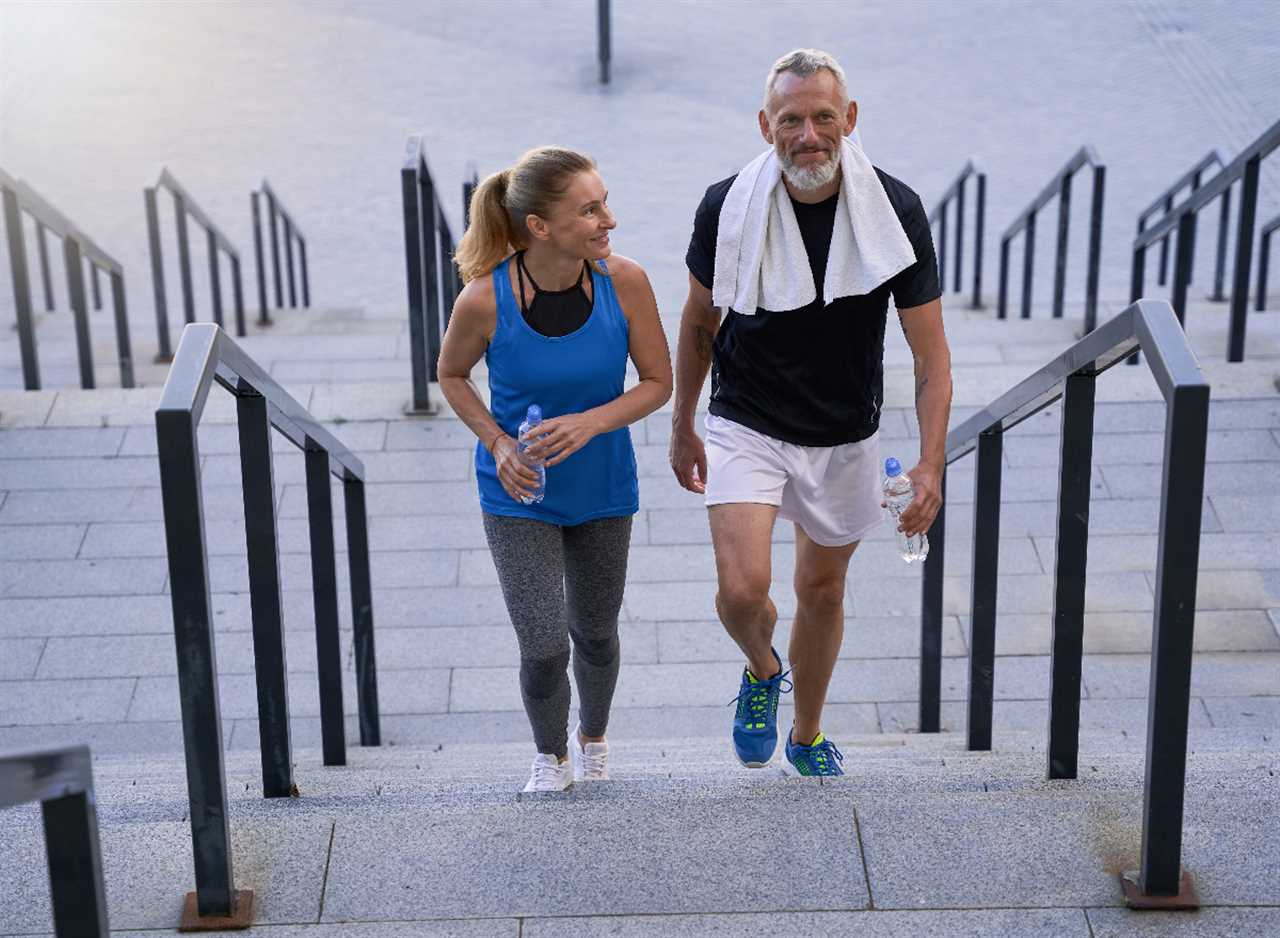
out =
column 561, row 437
column 471, row 327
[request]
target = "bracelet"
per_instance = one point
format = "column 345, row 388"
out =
column 494, row 441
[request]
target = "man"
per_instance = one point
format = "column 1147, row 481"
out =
column 797, row 386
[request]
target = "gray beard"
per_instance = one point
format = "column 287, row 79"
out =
column 808, row 178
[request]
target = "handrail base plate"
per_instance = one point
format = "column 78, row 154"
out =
column 241, row 916
column 432, row 410
column 1186, row 900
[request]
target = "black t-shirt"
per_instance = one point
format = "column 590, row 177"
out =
column 815, row 375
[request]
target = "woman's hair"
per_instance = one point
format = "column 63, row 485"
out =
column 500, row 204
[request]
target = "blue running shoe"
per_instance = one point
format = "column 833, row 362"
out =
column 821, row 757
column 755, row 725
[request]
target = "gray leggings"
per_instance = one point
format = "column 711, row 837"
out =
column 563, row 583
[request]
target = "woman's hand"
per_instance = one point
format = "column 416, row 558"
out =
column 516, row 476
column 557, row 439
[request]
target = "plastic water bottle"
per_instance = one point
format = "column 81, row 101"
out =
column 897, row 496
column 532, row 417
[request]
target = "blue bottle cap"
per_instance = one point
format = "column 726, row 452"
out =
column 892, row 467
column 534, row 414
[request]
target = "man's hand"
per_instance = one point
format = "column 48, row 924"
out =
column 926, row 499
column 558, row 438
column 689, row 459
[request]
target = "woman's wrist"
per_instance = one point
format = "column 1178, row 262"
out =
column 494, row 442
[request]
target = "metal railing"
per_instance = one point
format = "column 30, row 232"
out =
column 939, row 216
column 469, row 185
column 1164, row 203
column 278, row 216
column 77, row 249
column 184, row 206
column 1247, row 167
column 1059, row 187
column 604, row 39
column 1151, row 326
column 1264, row 261
column 61, row 779
column 433, row 278
column 207, row 354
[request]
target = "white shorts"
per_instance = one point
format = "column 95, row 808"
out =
column 832, row 492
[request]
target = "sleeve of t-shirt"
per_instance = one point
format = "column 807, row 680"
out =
column 918, row 284
column 701, row 256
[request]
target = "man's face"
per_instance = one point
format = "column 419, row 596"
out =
column 805, row 120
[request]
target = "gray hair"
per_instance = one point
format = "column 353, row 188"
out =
column 805, row 62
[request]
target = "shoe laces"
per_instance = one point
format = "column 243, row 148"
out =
column 821, row 756
column 546, row 773
column 756, row 700
column 594, row 764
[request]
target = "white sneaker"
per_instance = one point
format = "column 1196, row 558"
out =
column 549, row 774
column 590, row 762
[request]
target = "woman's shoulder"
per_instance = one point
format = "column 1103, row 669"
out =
column 478, row 301
column 625, row 271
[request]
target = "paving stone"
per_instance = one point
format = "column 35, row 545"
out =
column 1248, row 513
column 1235, row 589
column 482, row 646
column 399, row 466
column 45, row 507
column 1206, row 923
column 1216, row 674
column 17, row 474
column 1139, row 552
column 359, row 436
column 433, row 434
column 230, row 572
column 105, row 615
column 1128, row 715
column 680, row 602
column 1116, row 449
column 40, row 541
column 24, row 703
column 1219, row 479
column 80, row 577
column 366, row 400
column 25, row 408
column 19, row 656
column 890, row 637
column 695, row 873
column 47, row 443
column 132, row 739
column 1244, row 712
column 1058, row 923
column 1112, row 632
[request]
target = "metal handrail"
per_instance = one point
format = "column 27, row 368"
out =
column 1059, row 186
column 1164, row 203
column 77, row 248
column 433, row 279
column 1151, row 326
column 277, row 214
column 61, row 779
column 955, row 192
column 1264, row 261
column 184, row 206
column 1247, row 167
column 207, row 355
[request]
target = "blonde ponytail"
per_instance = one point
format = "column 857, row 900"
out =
column 500, row 205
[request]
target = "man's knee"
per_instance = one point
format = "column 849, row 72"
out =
column 821, row 595
column 743, row 597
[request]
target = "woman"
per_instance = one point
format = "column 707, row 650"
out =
column 556, row 323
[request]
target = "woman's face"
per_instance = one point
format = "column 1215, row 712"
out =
column 581, row 221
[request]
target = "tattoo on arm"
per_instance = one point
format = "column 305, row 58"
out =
column 920, row 386
column 702, row 343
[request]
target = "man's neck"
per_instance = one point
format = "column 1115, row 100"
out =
column 813, row 196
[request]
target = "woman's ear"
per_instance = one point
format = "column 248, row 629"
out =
column 537, row 227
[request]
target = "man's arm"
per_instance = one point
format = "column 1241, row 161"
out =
column 699, row 323
column 922, row 326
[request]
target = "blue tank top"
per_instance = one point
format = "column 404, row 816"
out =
column 564, row 375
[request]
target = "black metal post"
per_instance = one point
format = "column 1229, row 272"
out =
column 1163, row 276
column 184, row 260
column 979, row 220
column 604, row 39
column 264, row 318
column 306, row 279
column 74, row 264
column 275, row 250
column 959, row 285
column 1220, row 255
column 237, row 294
column 16, row 238
column 1185, row 255
column 1028, row 263
column 1137, row 283
column 1060, row 258
column 324, row 579
column 429, row 212
column 1169, row 697
column 288, row 262
column 942, row 247
column 1097, row 201
column 447, row 277
column 931, row 621
column 362, row 612
column 215, row 282
column 1067, row 648
column 1002, row 304
column 197, row 669
column 165, row 350
column 258, row 483
column 1264, row 262
column 1244, row 254
column 416, row 289
column 79, row 897
column 124, row 347
column 468, row 190
column 46, row 276
column 97, row 286
column 982, row 614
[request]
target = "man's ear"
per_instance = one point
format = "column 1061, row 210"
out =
column 851, row 118
column 765, row 130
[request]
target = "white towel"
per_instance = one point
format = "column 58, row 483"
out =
column 760, row 255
